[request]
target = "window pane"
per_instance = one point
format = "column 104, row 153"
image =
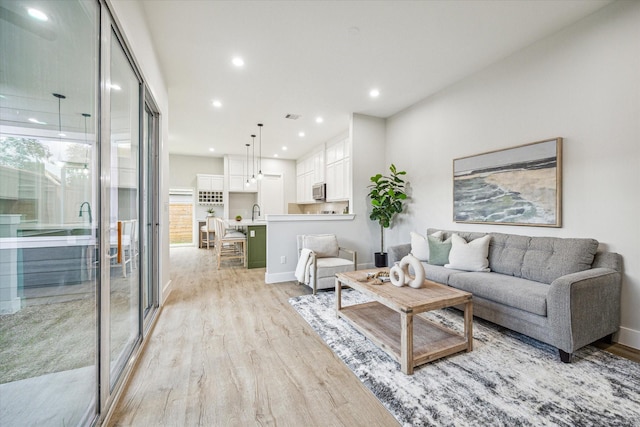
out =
column 124, row 215
column 48, row 196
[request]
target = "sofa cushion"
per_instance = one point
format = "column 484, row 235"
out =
column 515, row 292
column 328, row 267
column 506, row 253
column 469, row 256
column 548, row 258
column 324, row 245
column 438, row 273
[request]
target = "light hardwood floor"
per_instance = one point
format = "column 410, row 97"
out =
column 229, row 350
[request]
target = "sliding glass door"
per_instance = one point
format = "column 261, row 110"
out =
column 124, row 201
column 78, row 211
column 49, row 193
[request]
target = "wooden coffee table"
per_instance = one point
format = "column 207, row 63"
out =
column 390, row 322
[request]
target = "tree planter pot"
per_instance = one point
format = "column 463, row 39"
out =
column 380, row 259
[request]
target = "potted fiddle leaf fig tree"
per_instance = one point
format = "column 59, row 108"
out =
column 387, row 194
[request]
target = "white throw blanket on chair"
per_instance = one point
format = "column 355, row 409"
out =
column 304, row 266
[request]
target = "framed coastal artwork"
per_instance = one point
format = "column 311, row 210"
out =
column 515, row 186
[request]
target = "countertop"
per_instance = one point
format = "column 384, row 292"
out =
column 245, row 222
column 310, row 217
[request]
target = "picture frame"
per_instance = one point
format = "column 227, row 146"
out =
column 521, row 185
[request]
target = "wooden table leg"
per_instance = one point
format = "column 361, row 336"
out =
column 468, row 325
column 406, row 343
column 338, row 297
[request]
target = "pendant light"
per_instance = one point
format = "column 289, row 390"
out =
column 260, row 175
column 247, row 163
column 85, row 169
column 253, row 160
column 60, row 97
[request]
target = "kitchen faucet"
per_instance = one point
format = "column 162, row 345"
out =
column 253, row 211
column 88, row 210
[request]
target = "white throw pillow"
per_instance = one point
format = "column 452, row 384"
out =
column 472, row 256
column 420, row 245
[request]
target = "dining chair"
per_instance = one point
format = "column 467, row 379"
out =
column 229, row 244
column 120, row 245
column 206, row 232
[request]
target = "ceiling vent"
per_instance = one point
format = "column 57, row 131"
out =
column 292, row 116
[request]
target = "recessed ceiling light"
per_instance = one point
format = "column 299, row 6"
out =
column 237, row 61
column 37, row 14
column 374, row 93
column 275, row 155
column 212, row 149
column 319, row 120
column 301, row 134
column 32, row 120
column 217, row 103
column 284, row 148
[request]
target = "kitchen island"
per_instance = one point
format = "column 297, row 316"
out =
column 256, row 231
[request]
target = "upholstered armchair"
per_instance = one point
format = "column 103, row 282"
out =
column 320, row 258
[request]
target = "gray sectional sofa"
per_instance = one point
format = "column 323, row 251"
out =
column 561, row 291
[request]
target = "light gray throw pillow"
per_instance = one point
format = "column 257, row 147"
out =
column 324, row 245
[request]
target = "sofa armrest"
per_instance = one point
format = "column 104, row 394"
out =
column 397, row 252
column 584, row 307
column 348, row 254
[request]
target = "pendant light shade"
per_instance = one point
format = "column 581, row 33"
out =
column 60, row 97
column 253, row 159
column 260, row 175
column 246, row 184
column 85, row 169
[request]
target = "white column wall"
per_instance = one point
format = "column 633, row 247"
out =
column 360, row 233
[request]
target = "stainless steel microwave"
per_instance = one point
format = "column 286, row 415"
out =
column 319, row 191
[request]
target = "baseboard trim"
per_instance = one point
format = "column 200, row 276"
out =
column 629, row 337
column 166, row 291
column 286, row 276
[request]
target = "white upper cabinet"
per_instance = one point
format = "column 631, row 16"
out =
column 210, row 182
column 210, row 189
column 237, row 175
column 338, row 170
column 330, row 164
column 309, row 171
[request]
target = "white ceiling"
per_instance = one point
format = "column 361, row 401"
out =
column 321, row 58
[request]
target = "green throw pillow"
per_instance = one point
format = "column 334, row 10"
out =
column 439, row 250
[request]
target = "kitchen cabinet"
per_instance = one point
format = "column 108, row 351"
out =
column 237, row 173
column 256, row 246
column 338, row 170
column 210, row 182
column 210, row 189
column 309, row 170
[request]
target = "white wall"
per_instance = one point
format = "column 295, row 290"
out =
column 582, row 84
column 288, row 170
column 131, row 21
column 183, row 169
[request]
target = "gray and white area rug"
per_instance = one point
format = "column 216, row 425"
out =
column 507, row 380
